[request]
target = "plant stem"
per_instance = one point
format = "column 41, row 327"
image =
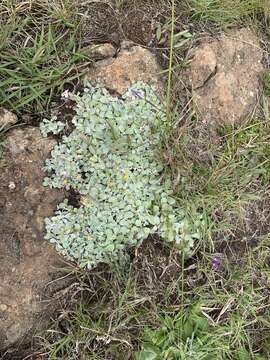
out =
column 168, row 101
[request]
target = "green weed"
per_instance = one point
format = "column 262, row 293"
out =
column 227, row 317
column 112, row 311
column 188, row 335
column 195, row 311
column 219, row 179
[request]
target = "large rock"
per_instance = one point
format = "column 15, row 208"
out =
column 133, row 64
column 26, row 260
column 224, row 76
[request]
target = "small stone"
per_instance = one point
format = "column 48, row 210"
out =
column 7, row 118
column 66, row 94
column 3, row 307
column 133, row 64
column 12, row 185
column 100, row 51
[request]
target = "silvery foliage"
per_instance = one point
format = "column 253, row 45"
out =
column 110, row 160
column 51, row 126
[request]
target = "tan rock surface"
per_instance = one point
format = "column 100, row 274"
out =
column 224, row 75
column 26, row 259
column 7, row 118
column 133, row 64
column 100, row 51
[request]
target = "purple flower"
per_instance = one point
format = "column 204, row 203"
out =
column 137, row 93
column 216, row 262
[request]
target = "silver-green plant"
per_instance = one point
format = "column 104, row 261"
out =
column 51, row 126
column 110, row 159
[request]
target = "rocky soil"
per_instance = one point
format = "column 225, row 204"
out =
column 28, row 262
column 224, row 76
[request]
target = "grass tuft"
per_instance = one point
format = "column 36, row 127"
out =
column 39, row 52
column 228, row 12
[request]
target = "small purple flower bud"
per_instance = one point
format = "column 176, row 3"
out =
column 216, row 262
column 137, row 94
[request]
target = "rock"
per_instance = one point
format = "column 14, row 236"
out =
column 203, row 65
column 224, row 75
column 133, row 64
column 7, row 118
column 27, row 260
column 101, row 51
column 3, row 307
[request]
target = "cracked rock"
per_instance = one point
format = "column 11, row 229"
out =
column 224, row 75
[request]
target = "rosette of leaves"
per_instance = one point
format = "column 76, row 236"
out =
column 110, row 160
column 51, row 126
